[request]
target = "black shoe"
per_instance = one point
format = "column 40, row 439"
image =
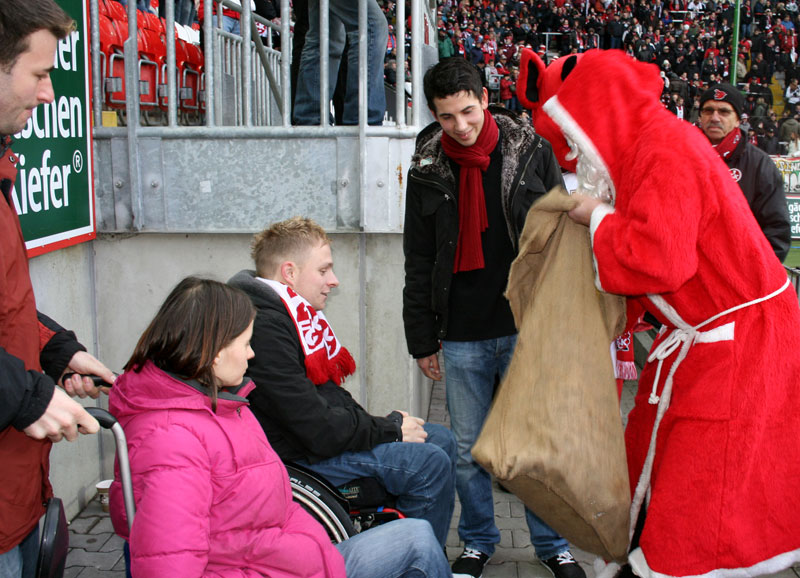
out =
column 625, row 571
column 470, row 564
column 564, row 566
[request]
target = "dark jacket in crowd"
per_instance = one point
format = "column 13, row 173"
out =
column 762, row 185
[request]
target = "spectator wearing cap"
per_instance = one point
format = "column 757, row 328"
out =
column 744, row 123
column 769, row 142
column 758, row 177
column 475, row 54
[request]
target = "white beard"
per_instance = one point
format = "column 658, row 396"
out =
column 593, row 181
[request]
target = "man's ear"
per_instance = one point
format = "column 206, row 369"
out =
column 288, row 273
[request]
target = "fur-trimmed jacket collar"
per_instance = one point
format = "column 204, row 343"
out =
column 517, row 136
column 518, row 142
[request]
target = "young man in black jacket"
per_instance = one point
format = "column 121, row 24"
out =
column 474, row 175
column 299, row 368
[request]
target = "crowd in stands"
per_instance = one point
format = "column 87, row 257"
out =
column 690, row 41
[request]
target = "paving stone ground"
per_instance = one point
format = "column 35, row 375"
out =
column 96, row 552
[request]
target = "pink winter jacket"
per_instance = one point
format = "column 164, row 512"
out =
column 212, row 497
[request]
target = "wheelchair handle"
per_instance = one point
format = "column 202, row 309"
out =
column 96, row 379
column 105, row 419
column 108, row 421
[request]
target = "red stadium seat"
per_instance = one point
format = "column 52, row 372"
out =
column 112, row 65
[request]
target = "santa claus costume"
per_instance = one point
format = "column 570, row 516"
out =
column 714, row 438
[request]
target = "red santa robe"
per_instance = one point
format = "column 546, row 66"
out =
column 713, row 441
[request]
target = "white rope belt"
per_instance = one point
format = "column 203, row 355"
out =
column 680, row 339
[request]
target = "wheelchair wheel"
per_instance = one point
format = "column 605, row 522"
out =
column 321, row 501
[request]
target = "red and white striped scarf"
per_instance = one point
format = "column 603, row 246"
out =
column 326, row 358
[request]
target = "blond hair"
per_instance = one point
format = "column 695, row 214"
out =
column 287, row 240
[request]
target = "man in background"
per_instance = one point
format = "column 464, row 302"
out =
column 752, row 169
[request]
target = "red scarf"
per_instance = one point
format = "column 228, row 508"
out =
column 326, row 359
column 473, row 160
column 728, row 144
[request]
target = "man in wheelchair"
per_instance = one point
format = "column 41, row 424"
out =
column 299, row 367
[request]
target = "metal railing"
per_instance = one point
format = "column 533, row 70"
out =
column 251, row 87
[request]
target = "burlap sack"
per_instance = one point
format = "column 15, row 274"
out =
column 554, row 435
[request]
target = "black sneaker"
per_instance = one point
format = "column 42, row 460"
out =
column 564, row 566
column 470, row 564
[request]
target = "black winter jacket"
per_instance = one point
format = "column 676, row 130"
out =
column 430, row 234
column 302, row 420
column 762, row 185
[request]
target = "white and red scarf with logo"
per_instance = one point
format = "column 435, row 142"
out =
column 326, row 358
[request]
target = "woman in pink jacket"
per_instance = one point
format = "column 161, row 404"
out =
column 212, row 497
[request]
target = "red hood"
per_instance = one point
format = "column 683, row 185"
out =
column 603, row 106
column 536, row 84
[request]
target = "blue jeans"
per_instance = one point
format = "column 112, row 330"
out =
column 229, row 24
column 399, row 548
column 422, row 476
column 343, row 21
column 403, row 548
column 20, row 561
column 142, row 5
column 471, row 368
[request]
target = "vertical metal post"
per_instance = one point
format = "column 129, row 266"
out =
column 97, row 79
column 417, row 37
column 247, row 63
column 172, row 92
column 363, row 73
column 132, row 111
column 400, row 77
column 286, row 54
column 324, row 61
column 735, row 40
column 210, row 50
column 363, row 61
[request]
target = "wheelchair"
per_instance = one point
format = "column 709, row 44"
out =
column 344, row 511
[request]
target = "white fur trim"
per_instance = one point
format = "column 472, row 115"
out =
column 603, row 569
column 769, row 566
column 574, row 132
column 721, row 333
column 599, row 213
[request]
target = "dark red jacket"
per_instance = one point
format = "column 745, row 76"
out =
column 27, row 341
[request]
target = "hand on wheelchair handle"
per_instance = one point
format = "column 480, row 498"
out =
column 80, row 385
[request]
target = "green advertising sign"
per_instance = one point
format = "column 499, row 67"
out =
column 54, row 195
column 794, row 214
column 790, row 169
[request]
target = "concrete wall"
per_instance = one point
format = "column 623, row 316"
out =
column 108, row 290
